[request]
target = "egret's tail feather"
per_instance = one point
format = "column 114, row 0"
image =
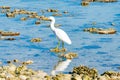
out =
column 69, row 42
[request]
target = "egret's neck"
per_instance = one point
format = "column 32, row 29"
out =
column 52, row 25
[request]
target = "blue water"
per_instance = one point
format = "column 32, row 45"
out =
column 96, row 51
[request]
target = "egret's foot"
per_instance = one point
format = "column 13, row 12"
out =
column 55, row 50
column 63, row 50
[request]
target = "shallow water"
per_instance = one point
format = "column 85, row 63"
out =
column 94, row 50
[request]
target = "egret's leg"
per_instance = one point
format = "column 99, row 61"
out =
column 58, row 44
column 63, row 49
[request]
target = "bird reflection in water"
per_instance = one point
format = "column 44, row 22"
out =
column 63, row 63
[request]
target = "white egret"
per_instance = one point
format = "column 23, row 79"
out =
column 61, row 35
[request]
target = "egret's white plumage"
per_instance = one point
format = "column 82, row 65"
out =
column 61, row 35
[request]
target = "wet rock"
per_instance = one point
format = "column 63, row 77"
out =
column 52, row 10
column 92, row 73
column 10, row 14
column 111, row 74
column 107, row 31
column 11, row 68
column 37, row 22
column 10, row 33
column 45, row 18
column 100, row 30
column 91, row 30
column 76, row 77
column 69, row 55
column 57, row 50
column 1, row 31
column 34, row 13
column 62, row 77
column 2, row 78
column 40, row 75
column 23, row 18
column 36, row 40
column 47, row 77
column 57, row 14
column 84, row 3
column 16, row 60
column 27, row 62
column 107, row 1
column 5, row 7
column 19, row 71
column 22, row 77
column 31, row 16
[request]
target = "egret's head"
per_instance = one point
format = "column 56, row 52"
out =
column 51, row 18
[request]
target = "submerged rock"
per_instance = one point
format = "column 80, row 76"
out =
column 9, row 33
column 10, row 39
column 23, row 18
column 37, row 22
column 107, row 1
column 84, row 3
column 57, row 14
column 5, row 7
column 36, row 40
column 10, row 14
column 100, row 30
column 52, row 10
column 57, row 50
column 69, row 55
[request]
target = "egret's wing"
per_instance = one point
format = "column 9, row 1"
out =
column 62, row 36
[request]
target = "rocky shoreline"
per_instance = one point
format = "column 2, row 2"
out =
column 16, row 70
